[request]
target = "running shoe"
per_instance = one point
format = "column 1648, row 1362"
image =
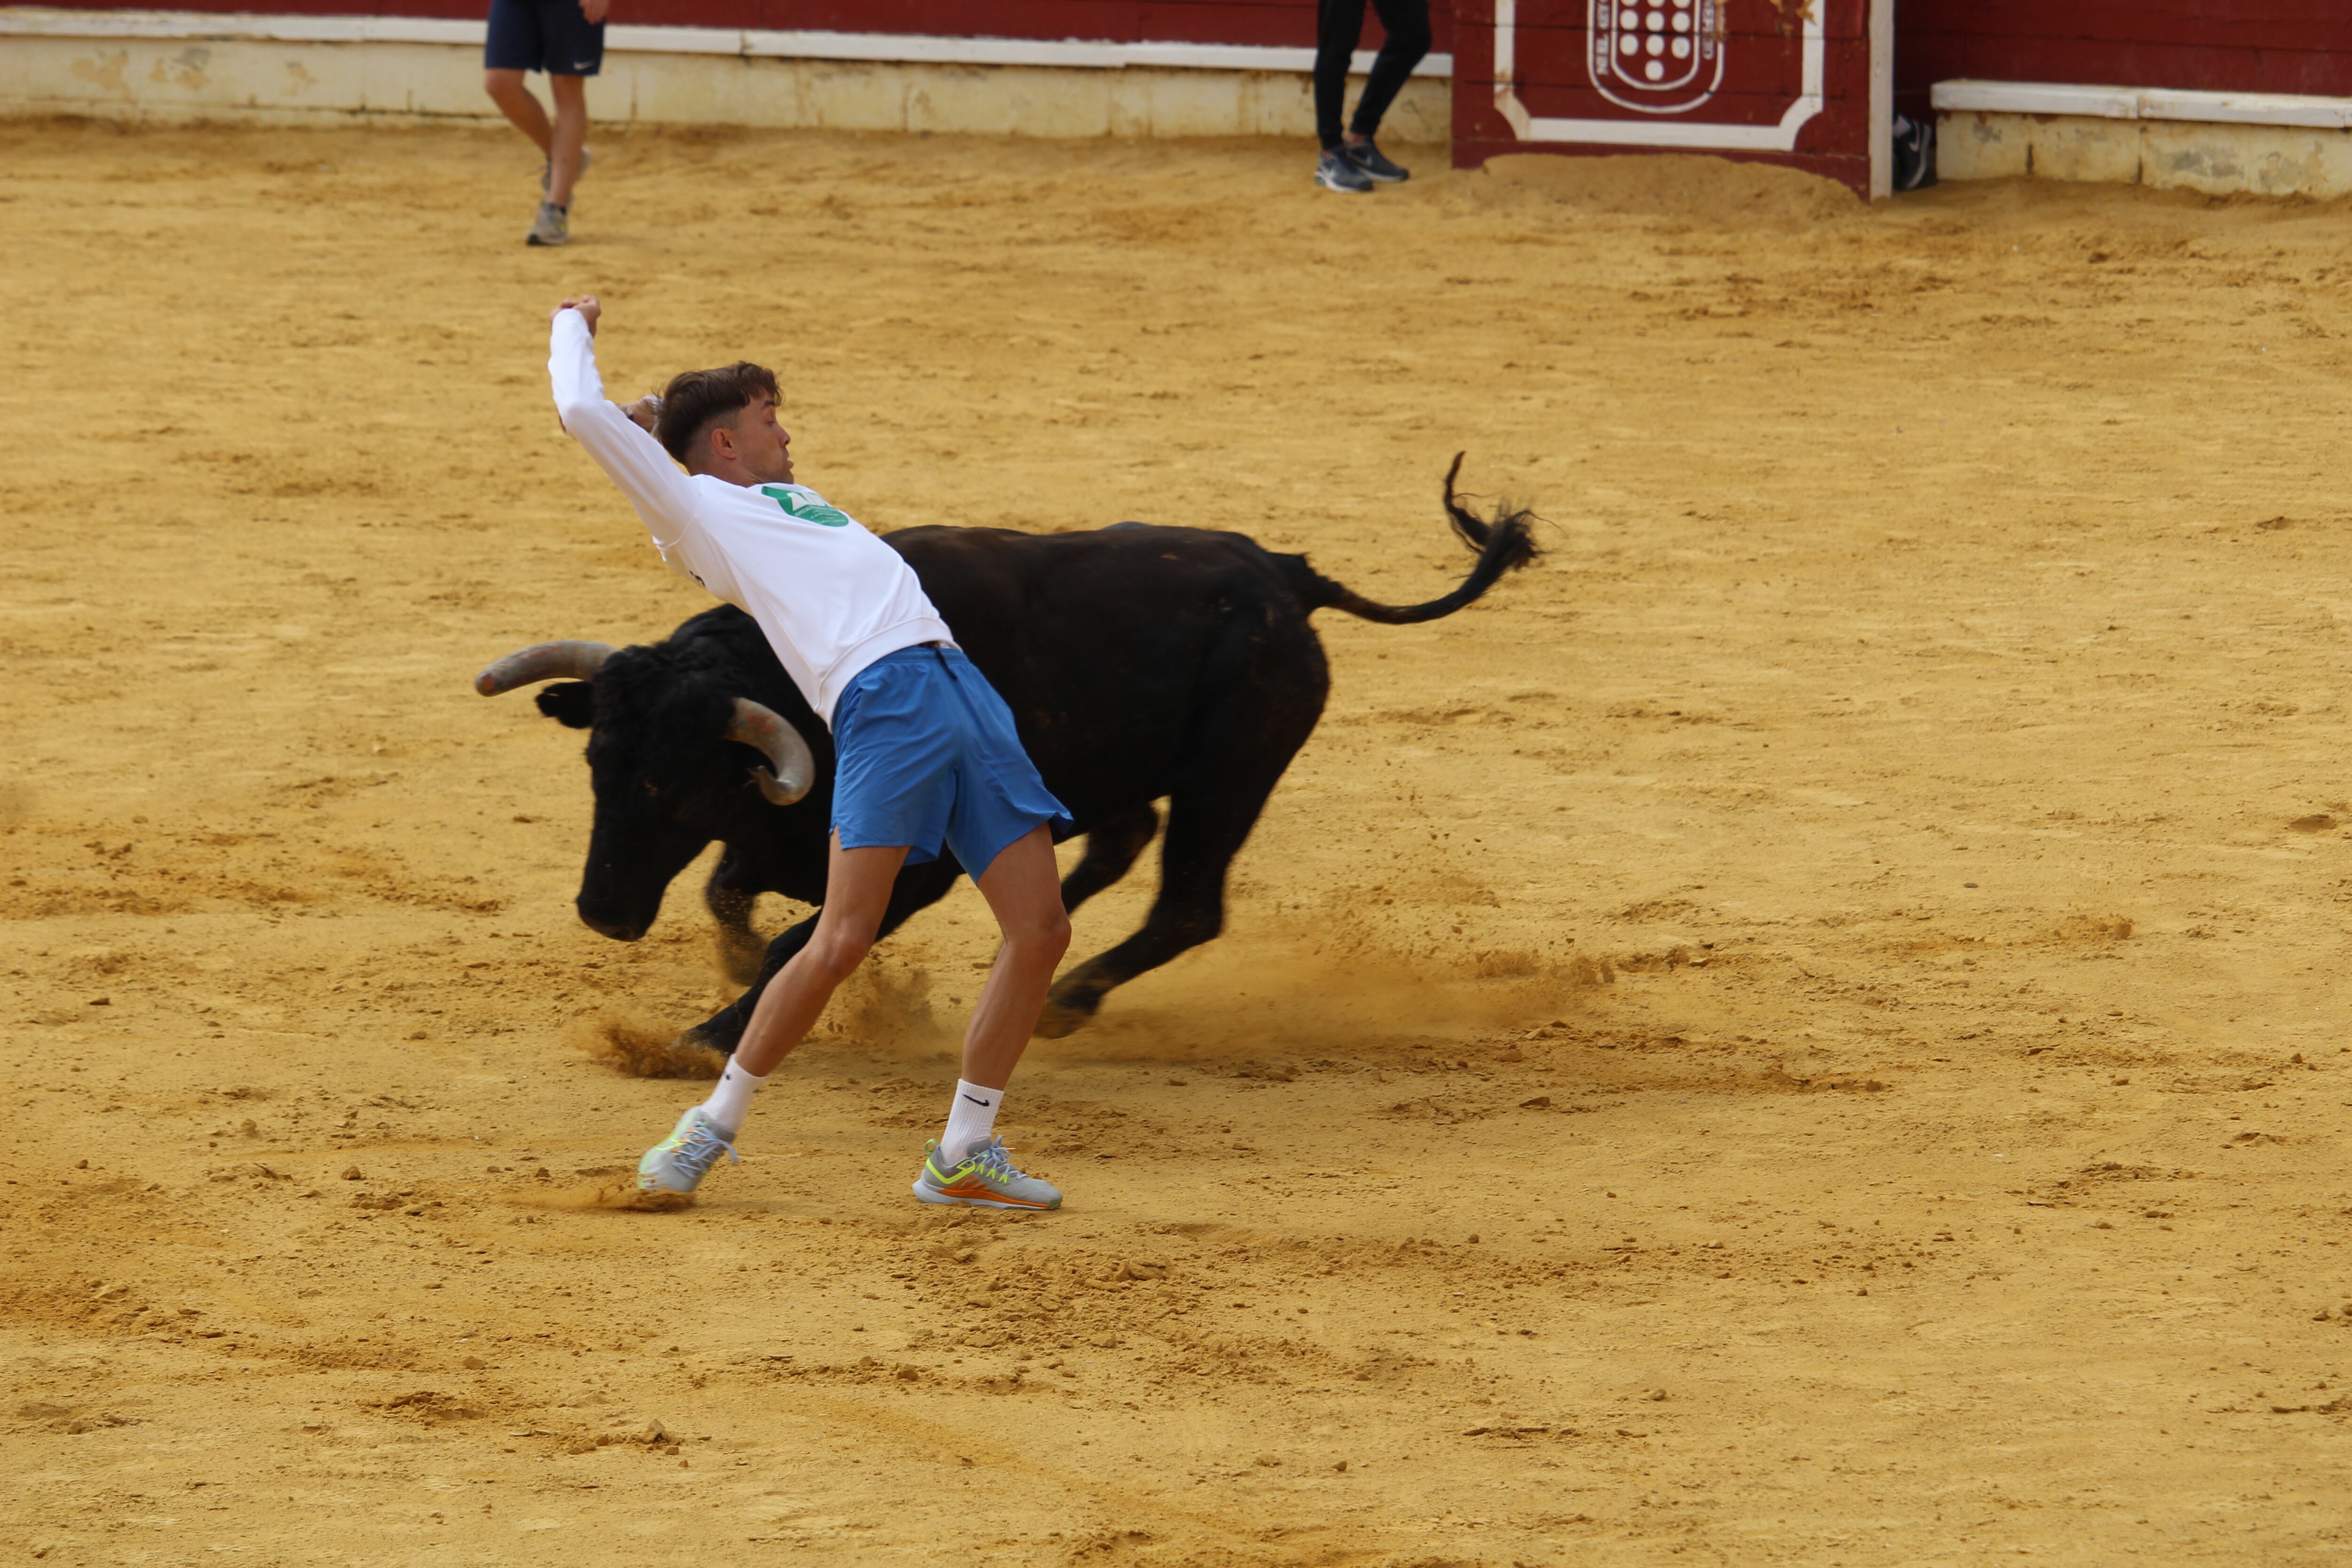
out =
column 985, row 1178
column 547, row 170
column 1336, row 171
column 1374, row 163
column 552, row 227
column 679, row 1162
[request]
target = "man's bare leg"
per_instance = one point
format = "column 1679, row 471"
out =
column 857, row 884
column 512, row 94
column 1024, row 889
column 563, row 147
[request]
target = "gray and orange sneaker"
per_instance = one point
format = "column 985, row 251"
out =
column 679, row 1162
column 985, row 1178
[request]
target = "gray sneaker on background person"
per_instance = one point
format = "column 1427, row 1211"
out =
column 1334, row 171
column 552, row 227
column 1374, row 163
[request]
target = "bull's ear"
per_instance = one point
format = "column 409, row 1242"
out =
column 571, row 703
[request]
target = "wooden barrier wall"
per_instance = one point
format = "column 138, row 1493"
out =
column 1285, row 23
column 2230, row 45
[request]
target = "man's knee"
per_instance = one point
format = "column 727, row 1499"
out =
column 510, row 90
column 836, row 954
column 1042, row 939
column 570, row 91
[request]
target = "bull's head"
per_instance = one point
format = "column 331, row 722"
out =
column 663, row 758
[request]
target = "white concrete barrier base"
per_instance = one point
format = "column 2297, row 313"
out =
column 2267, row 143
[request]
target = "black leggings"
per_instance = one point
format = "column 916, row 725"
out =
column 1339, row 27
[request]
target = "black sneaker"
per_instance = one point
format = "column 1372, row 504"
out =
column 1335, row 172
column 1375, row 165
column 1915, row 153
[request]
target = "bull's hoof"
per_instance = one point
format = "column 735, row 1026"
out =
column 1060, row 1020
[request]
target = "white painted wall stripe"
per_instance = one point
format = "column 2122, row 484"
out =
column 2142, row 103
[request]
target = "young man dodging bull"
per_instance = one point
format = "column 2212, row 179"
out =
column 926, row 752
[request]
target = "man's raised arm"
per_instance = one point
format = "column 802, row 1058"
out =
column 636, row 461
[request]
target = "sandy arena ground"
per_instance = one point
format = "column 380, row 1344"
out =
column 1809, row 1027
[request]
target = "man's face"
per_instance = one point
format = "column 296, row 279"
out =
column 762, row 446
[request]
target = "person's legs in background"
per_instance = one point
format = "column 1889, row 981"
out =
column 1338, row 24
column 512, row 94
column 1406, row 23
column 566, row 145
column 560, row 37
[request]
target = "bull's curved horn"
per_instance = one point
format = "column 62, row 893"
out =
column 791, row 769
column 543, row 661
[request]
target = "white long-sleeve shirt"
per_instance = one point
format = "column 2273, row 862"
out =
column 831, row 596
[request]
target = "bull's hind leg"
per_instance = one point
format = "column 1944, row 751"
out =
column 1112, row 846
column 918, row 887
column 1209, row 817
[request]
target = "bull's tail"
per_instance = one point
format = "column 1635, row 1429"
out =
column 1504, row 544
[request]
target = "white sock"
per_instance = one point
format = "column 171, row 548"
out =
column 971, row 1120
column 730, row 1101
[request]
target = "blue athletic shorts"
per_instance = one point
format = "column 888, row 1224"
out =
column 928, row 755
column 548, row 36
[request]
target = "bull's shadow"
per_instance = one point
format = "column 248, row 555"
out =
column 1142, row 664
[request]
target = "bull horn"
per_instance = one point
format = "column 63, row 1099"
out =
column 791, row 769
column 543, row 661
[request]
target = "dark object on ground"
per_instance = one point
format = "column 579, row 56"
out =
column 1915, row 153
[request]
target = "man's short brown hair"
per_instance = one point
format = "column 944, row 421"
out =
column 695, row 400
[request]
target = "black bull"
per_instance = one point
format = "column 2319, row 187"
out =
column 1140, row 663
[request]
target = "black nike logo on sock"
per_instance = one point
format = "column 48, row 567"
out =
column 984, row 1104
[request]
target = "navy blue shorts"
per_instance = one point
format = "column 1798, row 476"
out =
column 548, row 36
column 927, row 755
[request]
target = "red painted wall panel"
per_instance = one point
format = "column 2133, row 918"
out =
column 2232, row 46
column 1577, row 74
column 1290, row 23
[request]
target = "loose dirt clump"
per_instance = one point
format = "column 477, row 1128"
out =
column 643, row 1050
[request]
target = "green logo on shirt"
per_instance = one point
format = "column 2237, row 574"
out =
column 805, row 508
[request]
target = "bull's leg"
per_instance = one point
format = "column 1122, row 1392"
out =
column 918, row 888
column 1206, row 825
column 1203, row 835
column 1242, row 746
column 729, row 903
column 1111, row 848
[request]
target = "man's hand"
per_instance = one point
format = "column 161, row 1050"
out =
column 593, row 11
column 643, row 412
column 586, row 305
